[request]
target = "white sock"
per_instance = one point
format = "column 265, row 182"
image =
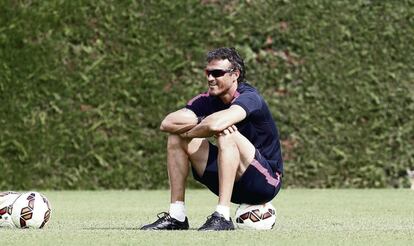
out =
column 177, row 210
column 223, row 210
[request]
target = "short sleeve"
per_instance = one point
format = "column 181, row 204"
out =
column 249, row 101
column 199, row 104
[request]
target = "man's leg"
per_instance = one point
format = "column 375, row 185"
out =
column 256, row 180
column 180, row 151
column 228, row 163
column 235, row 155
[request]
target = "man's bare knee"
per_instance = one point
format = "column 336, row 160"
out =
column 242, row 147
column 176, row 142
column 188, row 145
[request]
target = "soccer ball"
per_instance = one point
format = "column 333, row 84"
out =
column 31, row 210
column 6, row 201
column 257, row 217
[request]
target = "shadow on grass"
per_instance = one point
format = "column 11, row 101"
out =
column 127, row 229
column 111, row 228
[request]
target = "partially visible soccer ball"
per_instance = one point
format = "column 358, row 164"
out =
column 257, row 217
column 6, row 201
column 31, row 210
column 8, row 195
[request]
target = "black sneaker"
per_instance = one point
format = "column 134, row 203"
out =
column 166, row 222
column 217, row 222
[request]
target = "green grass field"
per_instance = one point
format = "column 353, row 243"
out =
column 305, row 217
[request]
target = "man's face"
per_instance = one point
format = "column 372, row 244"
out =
column 220, row 77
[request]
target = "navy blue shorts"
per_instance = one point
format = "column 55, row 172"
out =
column 258, row 184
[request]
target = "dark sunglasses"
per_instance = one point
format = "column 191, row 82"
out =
column 217, row 72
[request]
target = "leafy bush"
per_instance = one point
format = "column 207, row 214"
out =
column 84, row 86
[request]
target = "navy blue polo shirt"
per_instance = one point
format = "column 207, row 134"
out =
column 258, row 126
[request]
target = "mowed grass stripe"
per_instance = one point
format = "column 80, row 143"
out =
column 305, row 217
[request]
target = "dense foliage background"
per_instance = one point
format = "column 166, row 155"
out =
column 85, row 84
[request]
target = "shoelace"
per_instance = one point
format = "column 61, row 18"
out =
column 211, row 220
column 164, row 216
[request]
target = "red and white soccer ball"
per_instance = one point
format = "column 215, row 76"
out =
column 6, row 201
column 256, row 217
column 31, row 210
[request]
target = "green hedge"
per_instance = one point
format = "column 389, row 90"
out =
column 85, row 84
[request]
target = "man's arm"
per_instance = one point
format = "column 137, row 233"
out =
column 216, row 123
column 179, row 121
